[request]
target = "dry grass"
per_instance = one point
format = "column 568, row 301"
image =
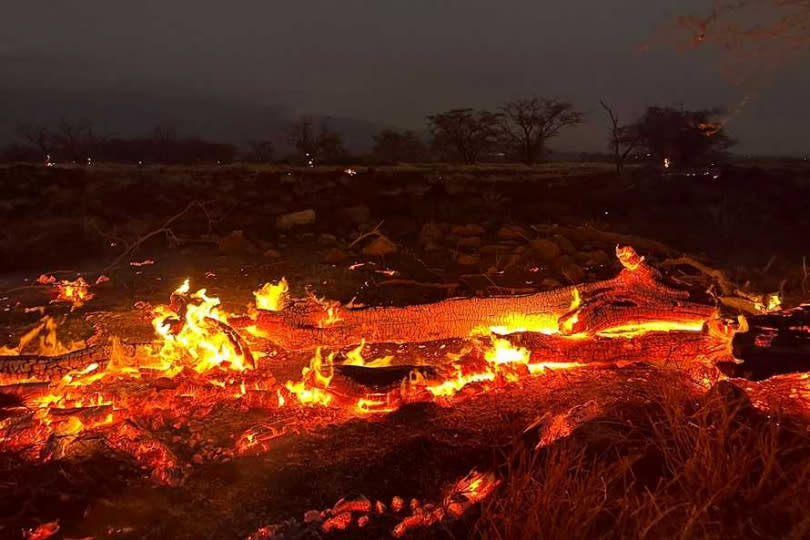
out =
column 715, row 469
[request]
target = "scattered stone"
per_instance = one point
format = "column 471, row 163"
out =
column 431, row 233
column 327, row 239
column 471, row 229
column 272, row 254
column 469, row 242
column 359, row 215
column 566, row 245
column 295, row 219
column 235, row 243
column 545, row 249
column 468, row 260
column 380, row 246
column 494, row 249
column 550, row 283
column 335, row 256
column 312, row 516
column 568, row 270
column 512, row 232
column 592, row 258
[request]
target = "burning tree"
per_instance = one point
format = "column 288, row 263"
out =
column 680, row 136
column 530, row 123
column 464, row 134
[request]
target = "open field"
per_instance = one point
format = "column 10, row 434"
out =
column 630, row 447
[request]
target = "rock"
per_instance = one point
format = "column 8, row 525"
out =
column 550, row 283
column 359, row 215
column 327, row 239
column 380, row 246
column 512, row 232
column 494, row 249
column 295, row 219
column 430, row 246
column 592, row 258
column 469, row 242
column 235, row 243
column 568, row 270
column 335, row 256
column 471, row 229
column 468, row 260
column 431, row 233
column 272, row 254
column 312, row 516
column 545, row 249
column 566, row 245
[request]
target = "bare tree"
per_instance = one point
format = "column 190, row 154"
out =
column 315, row 140
column 40, row 137
column 301, row 135
column 529, row 123
column 622, row 138
column 464, row 134
column 74, row 138
column 163, row 140
column 261, row 150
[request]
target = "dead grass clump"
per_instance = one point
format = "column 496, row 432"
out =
column 676, row 469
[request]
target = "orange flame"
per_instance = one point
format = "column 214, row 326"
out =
column 272, row 296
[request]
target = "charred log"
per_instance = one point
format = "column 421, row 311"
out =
column 775, row 343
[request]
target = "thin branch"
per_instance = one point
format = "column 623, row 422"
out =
column 164, row 229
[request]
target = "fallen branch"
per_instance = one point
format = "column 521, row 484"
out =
column 164, row 229
column 636, row 297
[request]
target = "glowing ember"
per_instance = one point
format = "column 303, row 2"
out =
column 195, row 327
column 48, row 343
column 628, row 257
column 355, row 358
column 272, row 296
column 75, row 292
column 315, row 379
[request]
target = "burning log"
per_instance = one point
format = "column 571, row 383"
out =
column 637, row 299
column 677, row 349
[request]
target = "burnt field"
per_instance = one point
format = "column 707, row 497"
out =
column 629, row 357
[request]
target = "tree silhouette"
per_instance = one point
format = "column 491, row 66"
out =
column 529, row 123
column 398, row 146
column 622, row 138
column 40, row 137
column 683, row 137
column 464, row 134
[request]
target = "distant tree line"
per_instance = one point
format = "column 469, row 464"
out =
column 518, row 131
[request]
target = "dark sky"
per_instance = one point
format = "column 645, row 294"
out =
column 392, row 62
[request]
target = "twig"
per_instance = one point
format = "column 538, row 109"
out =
column 164, row 229
column 373, row 232
column 726, row 286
